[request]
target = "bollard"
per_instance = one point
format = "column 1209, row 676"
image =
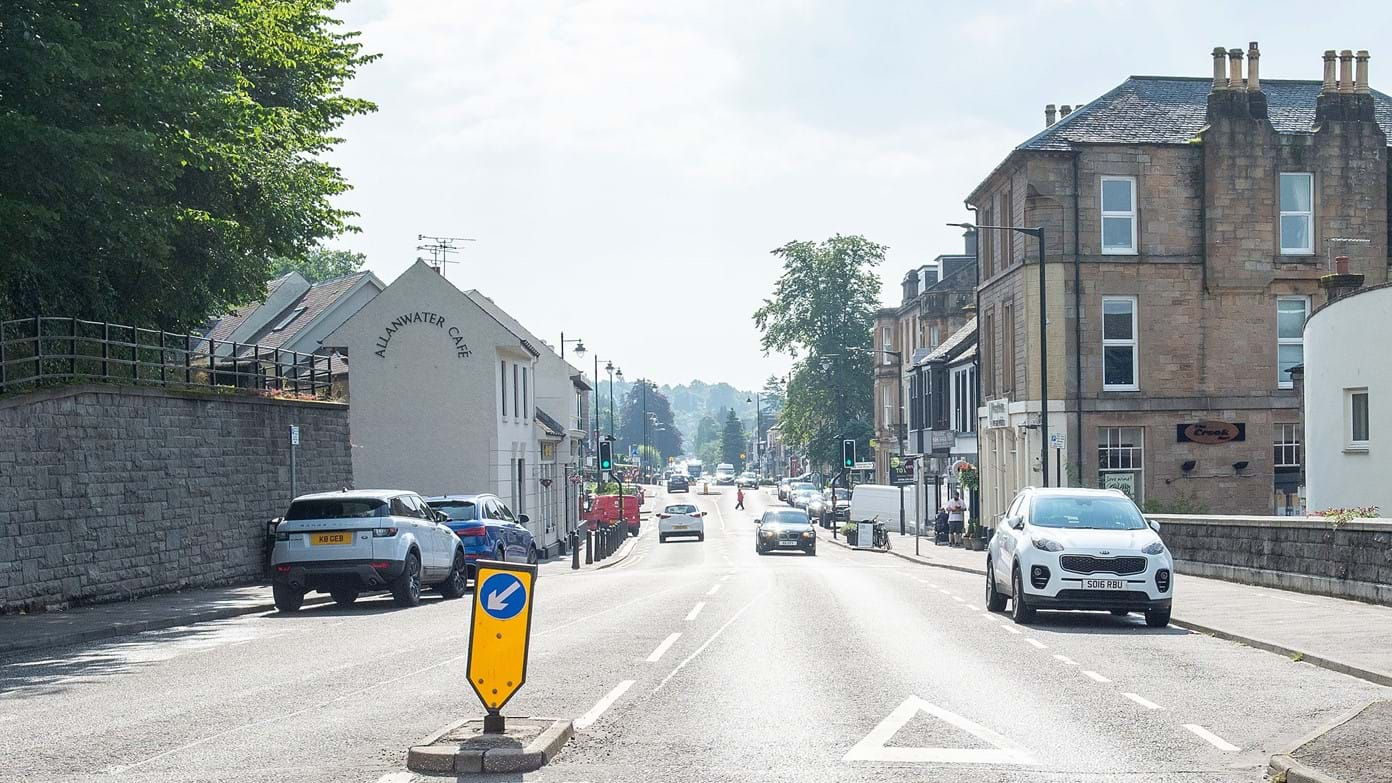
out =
column 589, row 545
column 574, row 550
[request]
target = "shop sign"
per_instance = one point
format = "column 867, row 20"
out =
column 998, row 413
column 1124, row 481
column 461, row 348
column 1210, row 432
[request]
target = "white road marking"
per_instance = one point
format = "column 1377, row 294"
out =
column 1148, row 704
column 1094, row 676
column 1066, row 660
column 397, row 777
column 872, row 747
column 667, row 643
column 1288, row 600
column 1212, row 739
column 603, row 704
column 695, row 610
column 723, row 578
column 973, row 608
column 1035, row 642
column 712, row 638
column 944, row 592
column 1011, row 629
column 714, row 589
column 958, row 600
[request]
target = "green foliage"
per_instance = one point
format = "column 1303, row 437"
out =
column 319, row 264
column 733, row 442
column 823, row 309
column 157, row 152
column 1339, row 516
column 1179, row 504
column 663, row 435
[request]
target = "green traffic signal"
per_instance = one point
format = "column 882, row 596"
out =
column 606, row 459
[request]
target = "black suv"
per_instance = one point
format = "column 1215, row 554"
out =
column 785, row 529
column 677, row 484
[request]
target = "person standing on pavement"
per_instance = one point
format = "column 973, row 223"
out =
column 739, row 498
column 940, row 534
column 954, row 510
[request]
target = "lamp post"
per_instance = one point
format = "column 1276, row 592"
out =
column 758, row 430
column 613, row 371
column 1037, row 233
column 579, row 346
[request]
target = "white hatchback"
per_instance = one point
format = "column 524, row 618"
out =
column 1087, row 549
column 681, row 519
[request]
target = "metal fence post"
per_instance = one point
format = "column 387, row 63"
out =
column 188, row 361
column 574, row 543
column 38, row 348
column 280, row 385
column 135, row 354
column 212, row 364
column 313, row 391
column 106, row 349
column 72, row 347
column 164, row 360
column 2, row 357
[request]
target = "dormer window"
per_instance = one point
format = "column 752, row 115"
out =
column 296, row 313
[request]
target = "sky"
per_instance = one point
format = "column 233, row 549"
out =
column 624, row 168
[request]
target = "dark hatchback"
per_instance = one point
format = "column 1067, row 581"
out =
column 785, row 530
column 678, row 484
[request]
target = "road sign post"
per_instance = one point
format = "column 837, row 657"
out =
column 294, row 447
column 500, row 634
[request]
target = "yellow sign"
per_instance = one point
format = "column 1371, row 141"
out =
column 500, row 631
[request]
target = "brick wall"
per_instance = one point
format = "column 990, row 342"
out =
column 1307, row 554
column 109, row 493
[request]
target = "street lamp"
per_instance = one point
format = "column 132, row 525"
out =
column 579, row 346
column 613, row 371
column 758, row 431
column 1037, row 233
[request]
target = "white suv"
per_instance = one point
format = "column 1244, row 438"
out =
column 1078, row 549
column 350, row 542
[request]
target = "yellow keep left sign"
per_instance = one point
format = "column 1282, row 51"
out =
column 500, row 630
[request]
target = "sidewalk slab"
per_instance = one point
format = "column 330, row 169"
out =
column 1349, row 637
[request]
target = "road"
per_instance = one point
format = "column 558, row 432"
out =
column 688, row 661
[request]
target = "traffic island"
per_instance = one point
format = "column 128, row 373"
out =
column 1353, row 748
column 526, row 745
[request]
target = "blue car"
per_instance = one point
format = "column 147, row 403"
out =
column 487, row 529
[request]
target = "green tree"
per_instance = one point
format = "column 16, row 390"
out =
column 319, row 264
column 822, row 312
column 662, row 432
column 158, row 152
column 733, row 441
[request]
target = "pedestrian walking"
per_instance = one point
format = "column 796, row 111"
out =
column 739, row 498
column 954, row 510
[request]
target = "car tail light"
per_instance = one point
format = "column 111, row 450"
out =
column 381, row 565
column 474, row 531
column 282, row 569
column 1162, row 580
column 1039, row 577
column 384, row 532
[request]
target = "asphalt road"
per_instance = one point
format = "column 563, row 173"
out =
column 688, row 661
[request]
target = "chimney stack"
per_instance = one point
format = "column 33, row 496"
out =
column 1065, row 110
column 1330, row 86
column 1360, row 81
column 1253, row 54
column 1048, row 115
column 1220, row 78
column 1234, row 69
column 1346, row 72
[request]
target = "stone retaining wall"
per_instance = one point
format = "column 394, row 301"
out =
column 1308, row 554
column 110, row 493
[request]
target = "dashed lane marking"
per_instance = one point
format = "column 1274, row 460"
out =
column 1066, row 660
column 1094, row 676
column 1144, row 702
column 666, row 645
column 712, row 638
column 958, row 600
column 1011, row 629
column 1212, row 739
column 1036, row 643
column 972, row 608
column 715, row 588
column 695, row 610
column 584, row 721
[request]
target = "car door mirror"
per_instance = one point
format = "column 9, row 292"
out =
column 272, row 525
column 1153, row 525
column 1016, row 523
column 523, row 519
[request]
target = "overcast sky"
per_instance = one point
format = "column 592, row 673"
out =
column 625, row 167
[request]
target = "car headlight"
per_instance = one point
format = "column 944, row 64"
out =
column 1154, row 548
column 1047, row 544
column 767, row 533
column 808, row 534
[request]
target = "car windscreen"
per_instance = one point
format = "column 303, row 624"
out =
column 786, row 518
column 1086, row 513
column 457, row 510
column 336, row 508
column 803, row 487
column 680, row 509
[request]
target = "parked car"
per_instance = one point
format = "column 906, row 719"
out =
column 821, row 512
column 800, row 494
column 487, row 529
column 678, row 483
column 605, row 509
column 784, row 485
column 869, row 501
column 1087, row 549
column 785, row 529
column 748, row 479
column 353, row 542
column 681, row 519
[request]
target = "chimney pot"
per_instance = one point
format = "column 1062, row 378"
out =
column 1329, row 84
column 1220, row 77
column 1065, row 110
column 1253, row 54
column 1360, row 81
column 1235, row 69
column 1346, row 71
column 1049, row 115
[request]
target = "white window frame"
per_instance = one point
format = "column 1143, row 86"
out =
column 1308, row 214
column 1108, row 440
column 963, row 383
column 1351, row 443
column 1283, row 379
column 1130, row 214
column 887, row 337
column 886, row 405
column 504, row 365
column 1287, row 446
column 1134, row 343
column 934, row 336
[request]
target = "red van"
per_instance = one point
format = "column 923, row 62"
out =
column 605, row 509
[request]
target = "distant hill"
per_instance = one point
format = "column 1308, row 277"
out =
column 690, row 402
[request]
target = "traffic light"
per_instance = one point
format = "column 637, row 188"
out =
column 848, row 459
column 606, row 455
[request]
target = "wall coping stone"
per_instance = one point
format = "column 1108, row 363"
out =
column 60, row 392
column 1370, row 525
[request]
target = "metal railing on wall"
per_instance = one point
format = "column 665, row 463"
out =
column 52, row 351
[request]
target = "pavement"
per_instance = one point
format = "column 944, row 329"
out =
column 687, row 661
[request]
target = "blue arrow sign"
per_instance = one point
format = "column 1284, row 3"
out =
column 503, row 596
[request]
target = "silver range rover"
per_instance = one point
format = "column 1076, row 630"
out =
column 356, row 541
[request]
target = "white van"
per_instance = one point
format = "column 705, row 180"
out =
column 871, row 500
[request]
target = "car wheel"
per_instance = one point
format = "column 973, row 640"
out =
column 287, row 598
column 457, row 583
column 406, row 588
column 1158, row 618
column 1020, row 610
column 1119, row 613
column 758, row 550
column 995, row 602
column 344, row 598
column 812, row 551
column 532, row 555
